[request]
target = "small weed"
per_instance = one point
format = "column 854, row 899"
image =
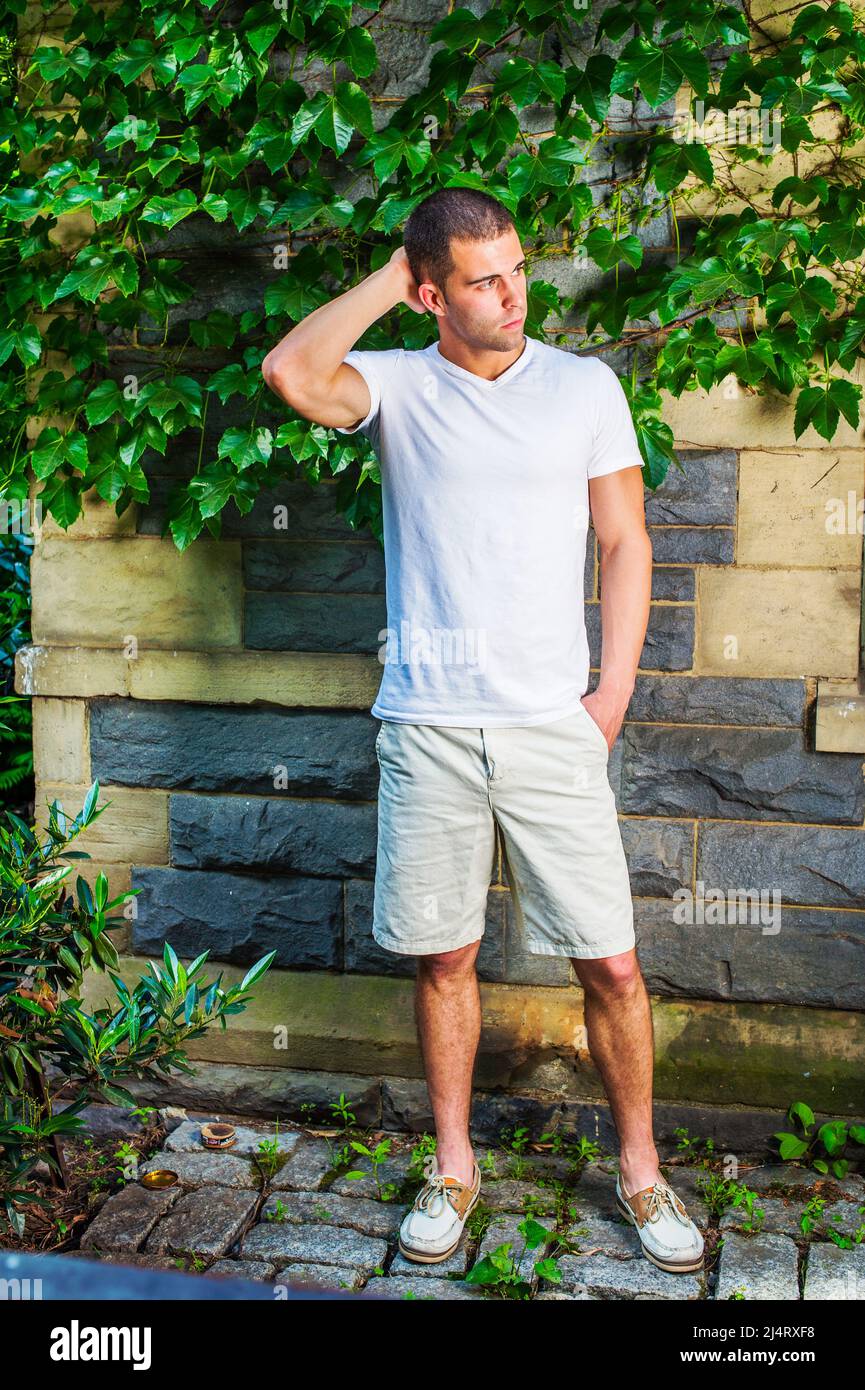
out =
column 384, row 1191
column 500, row 1272
column 825, row 1149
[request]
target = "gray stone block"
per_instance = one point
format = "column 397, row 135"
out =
column 738, row 774
column 834, row 1274
column 308, row 1166
column 299, row 918
column 409, row 1289
column 807, row 864
column 763, row 1268
column 238, row 1088
column 283, row 1245
column 660, row 855
column 816, row 958
column 186, row 1138
column 313, row 566
column 235, row 748
column 608, row 1278
column 331, row 839
column 314, row 622
column 127, row 1218
column 205, row 1222
column 692, row 545
column 200, row 1169
column 362, row 1214
column 717, row 700
column 317, row 1276
column 672, row 585
column 700, row 493
column 233, row 1269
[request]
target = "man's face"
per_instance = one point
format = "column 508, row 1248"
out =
column 486, row 293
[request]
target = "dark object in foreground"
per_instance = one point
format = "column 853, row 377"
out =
column 41, row 1278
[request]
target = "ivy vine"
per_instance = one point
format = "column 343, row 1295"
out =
column 267, row 119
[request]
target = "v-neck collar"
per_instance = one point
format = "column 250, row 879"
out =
column 507, row 375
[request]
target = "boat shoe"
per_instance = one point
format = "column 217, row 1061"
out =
column 667, row 1234
column 431, row 1230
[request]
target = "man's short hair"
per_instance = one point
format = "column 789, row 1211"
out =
column 460, row 214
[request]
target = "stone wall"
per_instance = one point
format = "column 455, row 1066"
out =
column 221, row 699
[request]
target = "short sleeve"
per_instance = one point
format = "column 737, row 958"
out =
column 615, row 441
column 364, row 362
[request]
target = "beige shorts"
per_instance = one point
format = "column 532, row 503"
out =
column 442, row 793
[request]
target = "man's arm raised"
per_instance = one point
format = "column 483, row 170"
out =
column 307, row 369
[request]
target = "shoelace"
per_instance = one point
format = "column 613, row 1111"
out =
column 659, row 1197
column 435, row 1189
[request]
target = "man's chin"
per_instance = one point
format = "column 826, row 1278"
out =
column 506, row 339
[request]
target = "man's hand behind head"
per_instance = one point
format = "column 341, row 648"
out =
column 399, row 260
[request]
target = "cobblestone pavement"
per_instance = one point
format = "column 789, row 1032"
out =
column 310, row 1223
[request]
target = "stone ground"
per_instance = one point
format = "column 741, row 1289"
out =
column 310, row 1223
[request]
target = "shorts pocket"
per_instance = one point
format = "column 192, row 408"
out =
column 597, row 730
column 378, row 738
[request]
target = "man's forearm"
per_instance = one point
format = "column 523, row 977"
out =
column 626, row 588
column 320, row 342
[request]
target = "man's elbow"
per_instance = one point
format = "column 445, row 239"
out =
column 287, row 376
column 279, row 375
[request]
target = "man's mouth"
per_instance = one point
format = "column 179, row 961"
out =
column 514, row 323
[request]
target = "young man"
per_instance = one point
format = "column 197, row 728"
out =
column 491, row 446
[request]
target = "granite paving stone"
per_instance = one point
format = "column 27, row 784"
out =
column 187, row 1138
column 610, row 1278
column 249, row 1269
column 321, row 1276
column 306, row 1168
column 762, row 1267
column 448, row 1290
column 284, row 1244
column 128, row 1217
column 200, row 1169
column 512, row 1195
column 391, row 1170
column 457, row 1263
column 329, row 1209
column 206, row 1221
column 833, row 1273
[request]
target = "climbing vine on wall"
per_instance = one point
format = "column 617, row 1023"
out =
column 268, row 121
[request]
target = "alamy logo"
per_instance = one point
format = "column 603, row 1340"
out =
column 77, row 1343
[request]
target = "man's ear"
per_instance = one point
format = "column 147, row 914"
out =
column 431, row 298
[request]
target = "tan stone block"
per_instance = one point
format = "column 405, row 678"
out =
column 840, row 721
column 132, row 829
column 61, row 743
column 713, row 1052
column 70, row 671
column 777, row 622
column 105, row 592
column 797, row 505
column 339, row 681
column 734, row 417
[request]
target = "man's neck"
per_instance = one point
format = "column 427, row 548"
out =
column 484, row 362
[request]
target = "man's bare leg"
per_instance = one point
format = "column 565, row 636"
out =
column 621, row 1043
column 448, row 1017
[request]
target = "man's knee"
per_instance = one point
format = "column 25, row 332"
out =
column 445, row 966
column 611, row 975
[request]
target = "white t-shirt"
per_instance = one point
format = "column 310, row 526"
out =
column 485, row 510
